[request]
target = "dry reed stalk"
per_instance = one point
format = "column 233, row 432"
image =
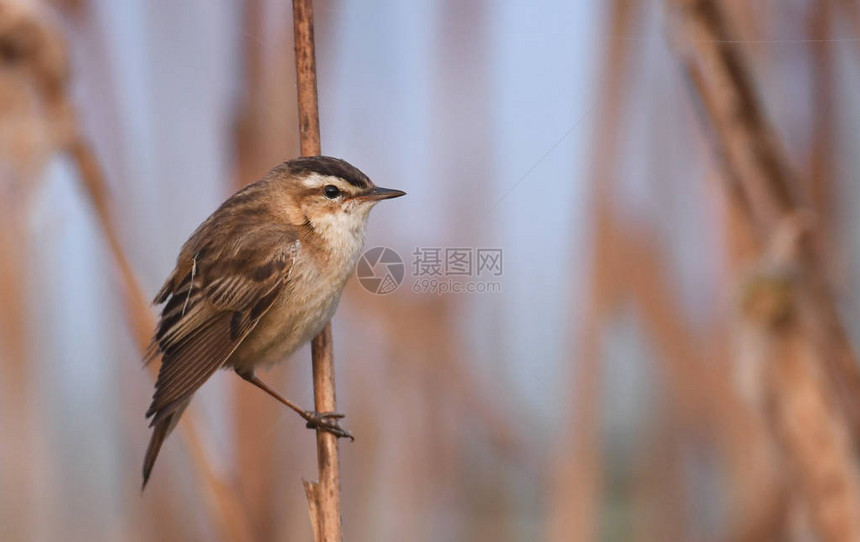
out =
column 224, row 509
column 824, row 121
column 764, row 500
column 410, row 321
column 138, row 312
column 17, row 501
column 806, row 423
column 247, row 130
column 765, row 194
column 306, row 78
column 425, row 342
column 324, row 495
column 258, row 145
column 266, row 115
column 764, row 179
column 37, row 120
column 577, row 472
column 34, row 120
column 429, row 322
column 421, row 367
column 701, row 384
column 657, row 492
column 225, row 513
column 851, row 8
column 823, row 136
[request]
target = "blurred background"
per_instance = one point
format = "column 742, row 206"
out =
column 665, row 351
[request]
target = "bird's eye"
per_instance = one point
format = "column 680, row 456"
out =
column 331, row 191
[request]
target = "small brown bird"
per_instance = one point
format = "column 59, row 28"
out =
column 259, row 278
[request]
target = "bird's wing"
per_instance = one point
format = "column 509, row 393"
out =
column 216, row 295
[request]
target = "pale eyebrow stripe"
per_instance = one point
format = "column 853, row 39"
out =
column 317, row 180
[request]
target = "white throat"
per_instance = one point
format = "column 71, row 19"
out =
column 343, row 233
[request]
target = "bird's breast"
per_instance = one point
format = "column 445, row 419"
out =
column 307, row 303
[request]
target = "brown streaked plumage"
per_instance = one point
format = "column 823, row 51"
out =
column 260, row 277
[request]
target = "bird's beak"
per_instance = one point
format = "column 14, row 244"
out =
column 377, row 193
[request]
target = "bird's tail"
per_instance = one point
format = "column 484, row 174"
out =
column 161, row 428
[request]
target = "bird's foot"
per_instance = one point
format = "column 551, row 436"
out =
column 327, row 421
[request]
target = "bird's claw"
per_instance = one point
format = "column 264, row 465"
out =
column 327, row 421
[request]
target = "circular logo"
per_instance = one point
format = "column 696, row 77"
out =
column 380, row 270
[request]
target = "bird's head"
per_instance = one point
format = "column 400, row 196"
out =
column 333, row 197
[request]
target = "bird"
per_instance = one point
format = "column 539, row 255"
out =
column 259, row 278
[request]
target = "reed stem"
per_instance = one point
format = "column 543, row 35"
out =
column 324, row 495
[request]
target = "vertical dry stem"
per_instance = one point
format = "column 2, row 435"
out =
column 764, row 178
column 16, row 386
column 306, row 77
column 261, row 134
column 224, row 508
column 578, row 473
column 324, row 495
column 810, row 431
column 813, row 435
column 45, row 67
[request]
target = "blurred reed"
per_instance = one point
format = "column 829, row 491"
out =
column 34, row 122
column 578, row 467
column 264, row 134
column 806, row 360
column 35, row 47
column 226, row 511
column 767, row 391
column 798, row 402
